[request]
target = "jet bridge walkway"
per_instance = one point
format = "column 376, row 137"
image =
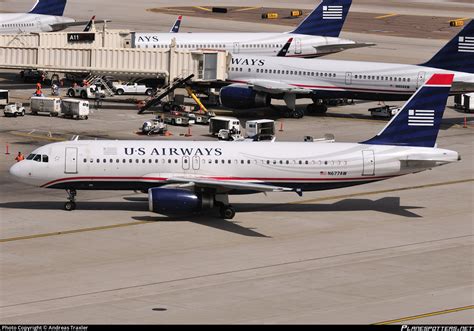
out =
column 122, row 63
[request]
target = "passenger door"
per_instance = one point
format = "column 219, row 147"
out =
column 298, row 46
column 421, row 79
column 71, row 160
column 236, row 48
column 368, row 165
column 348, row 78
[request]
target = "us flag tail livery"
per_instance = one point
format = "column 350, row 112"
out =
column 458, row 54
column 49, row 7
column 417, row 123
column 326, row 20
column 177, row 24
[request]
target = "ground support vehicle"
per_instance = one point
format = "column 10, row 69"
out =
column 14, row 110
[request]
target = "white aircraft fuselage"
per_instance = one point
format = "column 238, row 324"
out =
column 258, row 43
column 26, row 22
column 140, row 165
column 321, row 78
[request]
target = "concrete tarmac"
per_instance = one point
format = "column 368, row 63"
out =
column 396, row 251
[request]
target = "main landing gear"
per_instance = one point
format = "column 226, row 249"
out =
column 71, row 204
column 226, row 210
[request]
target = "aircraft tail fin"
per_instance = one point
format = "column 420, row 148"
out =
column 418, row 121
column 49, row 7
column 326, row 19
column 176, row 25
column 89, row 24
column 457, row 54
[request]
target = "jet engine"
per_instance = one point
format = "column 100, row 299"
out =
column 240, row 96
column 177, row 201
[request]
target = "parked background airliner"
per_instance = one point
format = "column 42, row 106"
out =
column 188, row 176
column 45, row 16
column 318, row 34
column 256, row 80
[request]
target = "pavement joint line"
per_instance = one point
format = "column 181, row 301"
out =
column 385, row 16
column 335, row 197
column 440, row 312
column 222, row 273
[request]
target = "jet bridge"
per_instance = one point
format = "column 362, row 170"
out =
column 125, row 63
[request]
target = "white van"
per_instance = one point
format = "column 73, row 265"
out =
column 72, row 108
column 52, row 106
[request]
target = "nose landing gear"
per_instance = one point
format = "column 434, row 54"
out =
column 71, row 204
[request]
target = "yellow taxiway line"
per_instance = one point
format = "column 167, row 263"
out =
column 248, row 8
column 202, row 8
column 50, row 234
column 385, row 16
column 335, row 197
column 410, row 318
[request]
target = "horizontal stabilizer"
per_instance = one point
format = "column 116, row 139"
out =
column 328, row 49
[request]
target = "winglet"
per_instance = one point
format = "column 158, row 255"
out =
column 285, row 48
column 418, row 122
column 326, row 19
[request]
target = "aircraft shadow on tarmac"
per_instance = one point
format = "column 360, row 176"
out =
column 390, row 205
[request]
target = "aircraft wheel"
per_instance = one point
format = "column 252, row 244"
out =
column 286, row 114
column 70, row 205
column 227, row 212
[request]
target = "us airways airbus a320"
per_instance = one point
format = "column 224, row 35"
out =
column 191, row 176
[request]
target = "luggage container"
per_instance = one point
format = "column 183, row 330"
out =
column 468, row 102
column 260, row 129
column 77, row 109
column 51, row 106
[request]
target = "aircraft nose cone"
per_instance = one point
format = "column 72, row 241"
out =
column 15, row 170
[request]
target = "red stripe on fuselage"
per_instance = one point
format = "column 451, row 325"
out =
column 118, row 178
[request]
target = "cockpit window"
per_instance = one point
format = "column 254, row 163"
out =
column 38, row 158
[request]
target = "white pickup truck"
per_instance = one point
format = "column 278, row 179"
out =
column 131, row 88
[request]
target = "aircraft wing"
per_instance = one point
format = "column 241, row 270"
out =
column 328, row 49
column 62, row 26
column 276, row 87
column 227, row 185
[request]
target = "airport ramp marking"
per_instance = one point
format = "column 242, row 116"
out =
column 21, row 134
column 247, row 8
column 386, row 16
column 58, row 233
column 334, row 197
column 202, row 8
column 440, row 312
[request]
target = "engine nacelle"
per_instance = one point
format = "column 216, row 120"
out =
column 177, row 201
column 239, row 96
